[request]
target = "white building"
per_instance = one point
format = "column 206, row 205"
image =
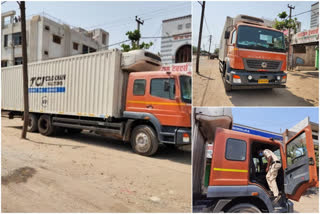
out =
column 46, row 39
column 176, row 40
column 314, row 22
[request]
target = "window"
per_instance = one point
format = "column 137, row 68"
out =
column 164, row 88
column 179, row 27
column 4, row 63
column 188, row 25
column 46, row 27
column 16, row 38
column 46, row 53
column 85, row 49
column 18, row 61
column 139, row 87
column 236, row 149
column 296, row 149
column 233, row 40
column 56, row 39
column 104, row 39
column 91, row 50
column 5, row 42
column 75, row 46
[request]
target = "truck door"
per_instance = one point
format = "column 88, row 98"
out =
column 230, row 159
column 300, row 170
column 162, row 101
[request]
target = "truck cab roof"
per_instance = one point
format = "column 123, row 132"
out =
column 159, row 73
column 257, row 26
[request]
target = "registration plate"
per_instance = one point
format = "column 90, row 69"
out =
column 263, row 81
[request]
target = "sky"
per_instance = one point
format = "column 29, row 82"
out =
column 216, row 13
column 273, row 119
column 115, row 17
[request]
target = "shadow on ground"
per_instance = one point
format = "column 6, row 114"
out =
column 87, row 138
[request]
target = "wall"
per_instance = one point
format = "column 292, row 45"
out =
column 178, row 37
column 40, row 31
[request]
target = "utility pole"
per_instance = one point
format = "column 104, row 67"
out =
column 139, row 22
column 210, row 38
column 24, row 69
column 289, row 37
column 203, row 5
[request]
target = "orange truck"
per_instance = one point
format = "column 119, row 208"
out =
column 119, row 95
column 252, row 54
column 237, row 176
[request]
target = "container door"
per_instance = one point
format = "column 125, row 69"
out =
column 301, row 170
column 230, row 157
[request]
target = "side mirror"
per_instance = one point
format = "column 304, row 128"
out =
column 227, row 34
column 166, row 85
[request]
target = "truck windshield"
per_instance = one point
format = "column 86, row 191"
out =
column 260, row 39
column 185, row 84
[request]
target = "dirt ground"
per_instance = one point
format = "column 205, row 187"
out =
column 89, row 173
column 208, row 89
column 309, row 203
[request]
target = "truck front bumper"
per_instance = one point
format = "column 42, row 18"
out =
column 183, row 136
column 241, row 79
column 176, row 135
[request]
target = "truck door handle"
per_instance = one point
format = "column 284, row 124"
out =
column 149, row 106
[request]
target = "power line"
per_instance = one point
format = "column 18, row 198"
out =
column 306, row 12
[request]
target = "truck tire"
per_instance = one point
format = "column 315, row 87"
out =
column 227, row 86
column 45, row 125
column 33, row 123
column 244, row 208
column 144, row 140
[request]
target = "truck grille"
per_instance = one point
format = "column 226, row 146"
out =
column 255, row 64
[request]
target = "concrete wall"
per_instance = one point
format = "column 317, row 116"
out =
column 308, row 56
column 179, row 32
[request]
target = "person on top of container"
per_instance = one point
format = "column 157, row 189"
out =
column 273, row 166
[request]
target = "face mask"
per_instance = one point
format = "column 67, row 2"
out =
column 261, row 154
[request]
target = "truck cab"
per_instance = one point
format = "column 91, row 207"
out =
column 237, row 181
column 253, row 55
column 163, row 101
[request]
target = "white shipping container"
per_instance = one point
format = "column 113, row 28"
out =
column 85, row 85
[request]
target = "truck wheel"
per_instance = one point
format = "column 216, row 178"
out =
column 244, row 208
column 33, row 123
column 45, row 126
column 227, row 86
column 144, row 140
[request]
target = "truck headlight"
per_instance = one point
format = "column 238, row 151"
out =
column 185, row 138
column 249, row 77
column 236, row 79
column 278, row 77
column 284, row 79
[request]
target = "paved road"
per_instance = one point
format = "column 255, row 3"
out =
column 89, row 173
column 208, row 90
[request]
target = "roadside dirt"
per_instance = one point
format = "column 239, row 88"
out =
column 89, row 173
column 309, row 203
column 208, row 89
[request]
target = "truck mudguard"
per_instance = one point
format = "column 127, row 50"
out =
column 240, row 191
column 142, row 116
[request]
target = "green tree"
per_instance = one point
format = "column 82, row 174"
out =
column 194, row 50
column 134, row 37
column 285, row 23
column 216, row 51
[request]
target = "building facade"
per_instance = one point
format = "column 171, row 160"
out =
column 314, row 22
column 176, row 40
column 46, row 39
